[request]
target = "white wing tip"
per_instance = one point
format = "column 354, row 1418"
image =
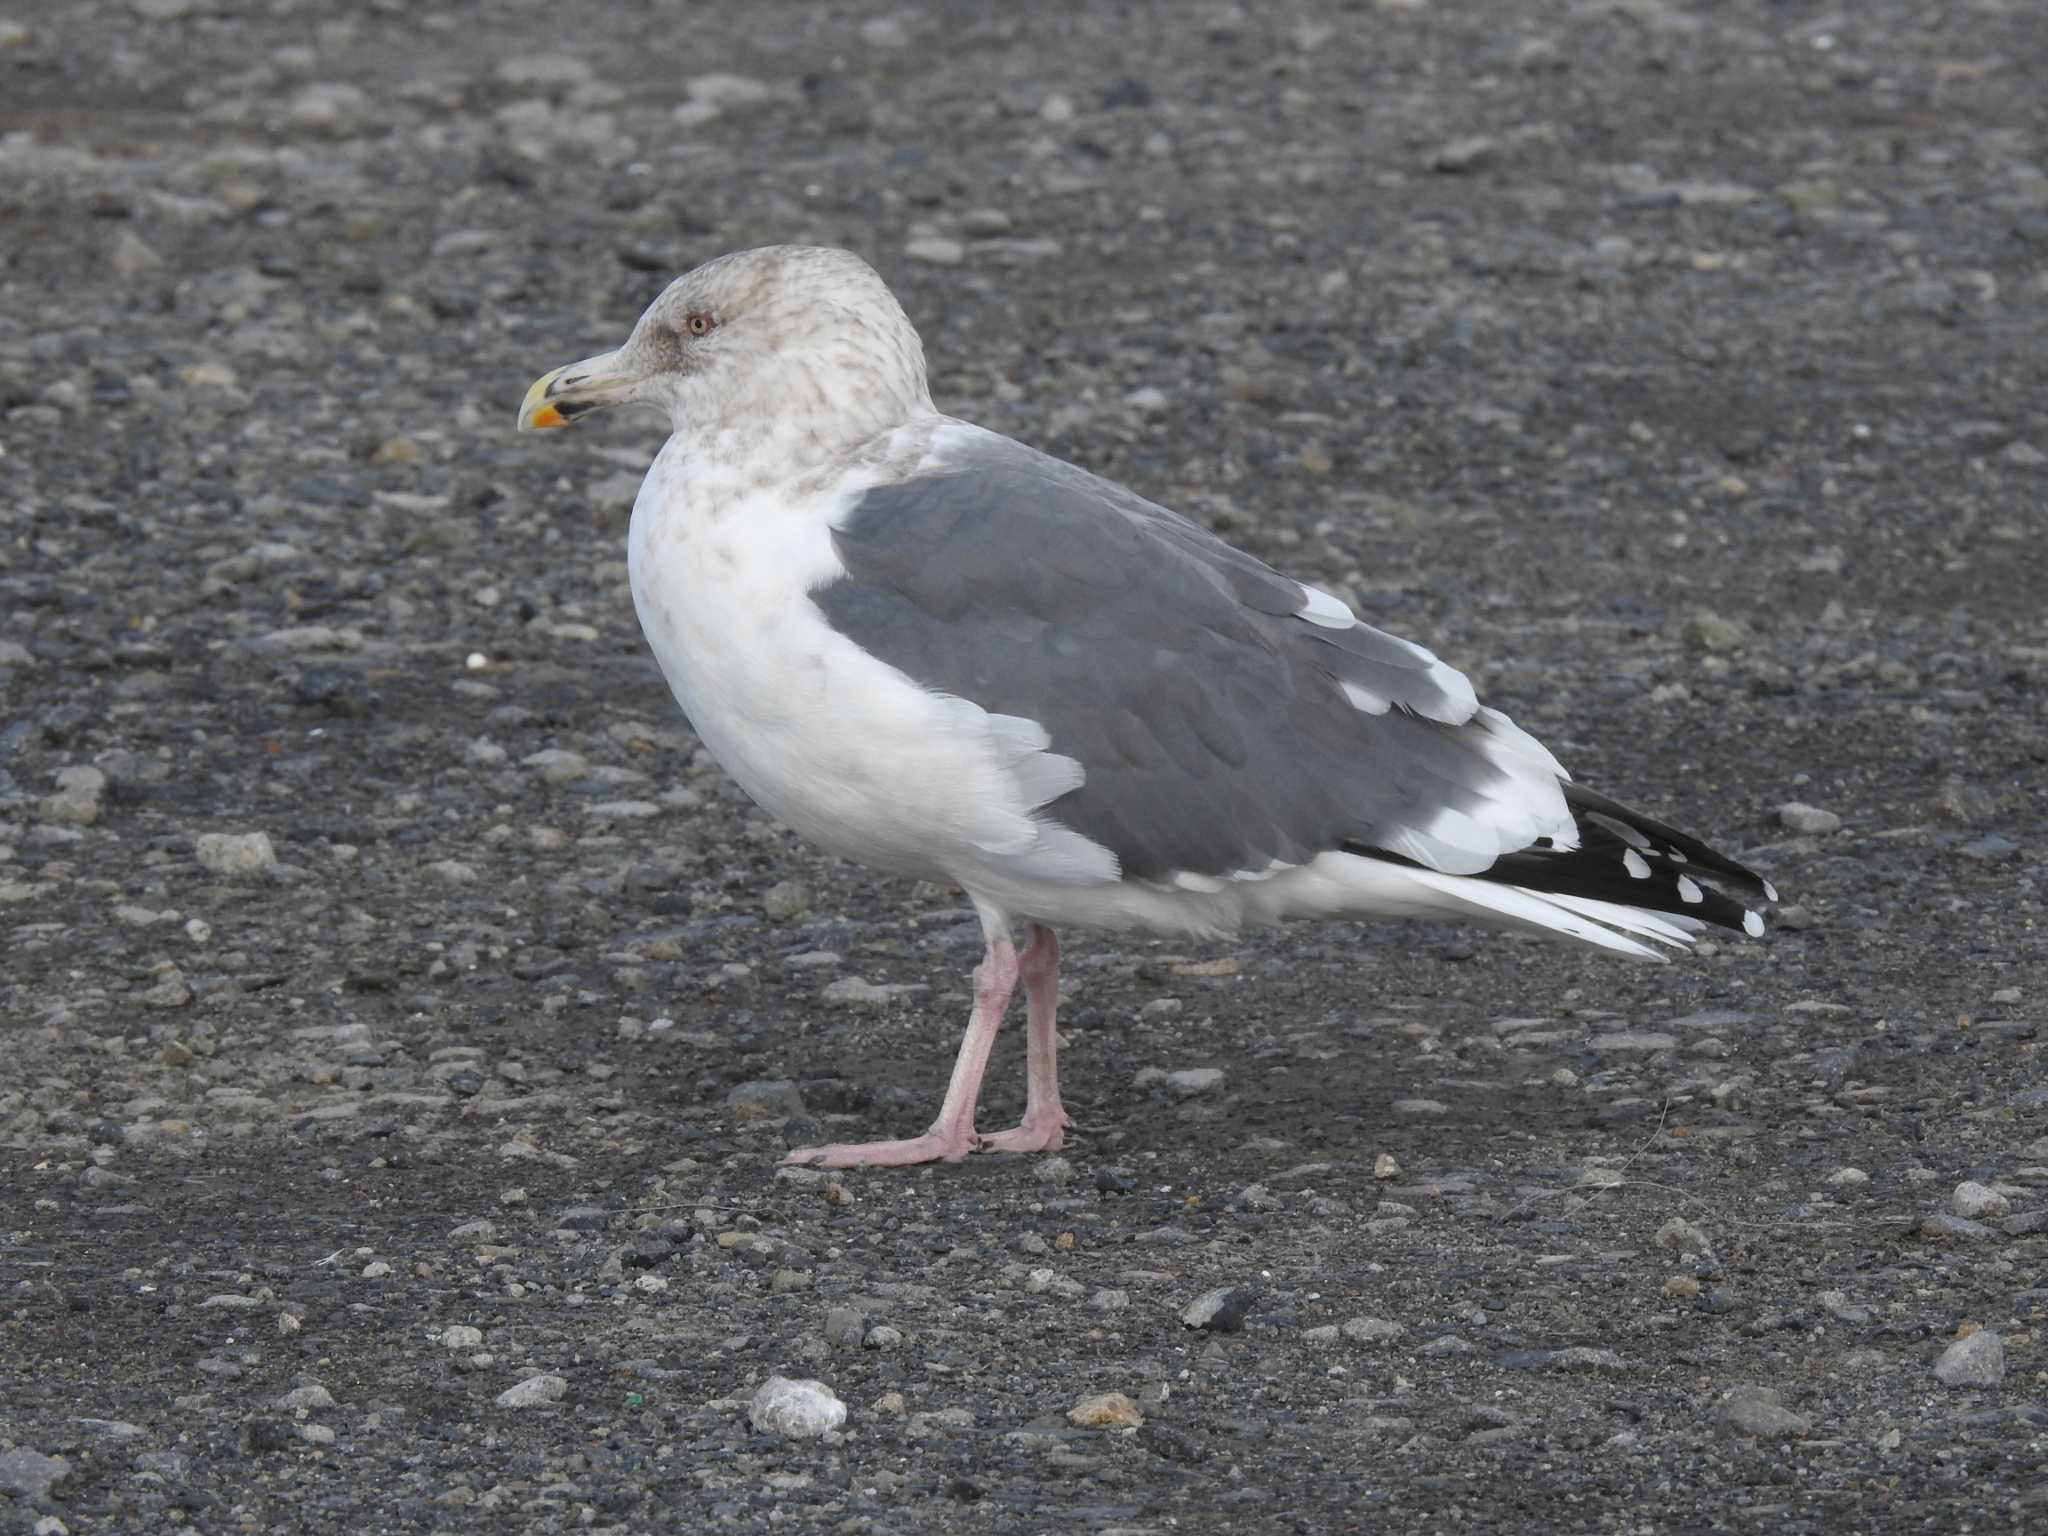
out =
column 1325, row 608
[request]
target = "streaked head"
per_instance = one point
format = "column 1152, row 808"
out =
column 782, row 329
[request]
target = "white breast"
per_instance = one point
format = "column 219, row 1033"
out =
column 827, row 738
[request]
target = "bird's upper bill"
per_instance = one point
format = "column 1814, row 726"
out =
column 559, row 397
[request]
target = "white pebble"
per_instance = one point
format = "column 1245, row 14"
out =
column 533, row 1392
column 1797, row 816
column 1977, row 1201
column 801, row 1409
column 1977, row 1361
column 235, row 853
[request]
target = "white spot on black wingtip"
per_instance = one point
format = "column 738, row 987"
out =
column 1753, row 924
column 1770, row 891
column 1675, row 856
column 1637, row 866
column 1689, row 891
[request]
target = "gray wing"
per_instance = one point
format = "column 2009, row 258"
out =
column 1223, row 718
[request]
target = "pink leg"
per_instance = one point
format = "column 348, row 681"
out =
column 952, row 1135
column 1043, row 1128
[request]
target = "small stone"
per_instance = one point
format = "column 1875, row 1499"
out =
column 1708, row 631
column 328, row 106
column 558, row 766
column 859, row 992
column 1221, row 1310
column 765, row 1099
column 235, row 853
column 546, row 71
column 1976, row 1361
column 169, row 992
column 461, row 1336
column 623, row 810
column 534, row 1392
column 1635, row 1040
column 728, row 90
column 1760, row 1413
column 1460, row 156
column 1191, row 1082
column 306, row 1398
column 1842, row 1310
column 1942, row 1227
column 1848, row 1178
column 1372, row 1330
column 801, row 1409
column 1105, row 1410
column 845, row 1328
column 1421, row 1107
column 784, row 900
column 114, row 1429
column 1681, row 1288
column 938, row 250
column 1683, row 1236
column 30, row 1474
column 1384, row 1167
column 1054, row 1170
column 1808, row 820
column 883, row 1336
column 1446, row 1344
column 1583, row 1358
column 1108, row 1300
column 1963, row 804
column 77, row 801
column 1975, row 1202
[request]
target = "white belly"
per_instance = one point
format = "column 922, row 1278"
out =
column 827, row 738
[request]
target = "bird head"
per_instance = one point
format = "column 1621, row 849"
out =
column 784, row 331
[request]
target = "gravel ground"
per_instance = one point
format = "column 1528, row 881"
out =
column 403, row 1016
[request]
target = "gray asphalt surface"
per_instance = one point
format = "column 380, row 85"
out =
column 402, row 1016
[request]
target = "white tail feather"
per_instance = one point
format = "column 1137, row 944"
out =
column 1346, row 884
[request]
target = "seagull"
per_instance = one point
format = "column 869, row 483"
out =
column 939, row 652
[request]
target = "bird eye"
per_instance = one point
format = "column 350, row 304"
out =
column 698, row 323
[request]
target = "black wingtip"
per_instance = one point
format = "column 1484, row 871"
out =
column 1676, row 846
